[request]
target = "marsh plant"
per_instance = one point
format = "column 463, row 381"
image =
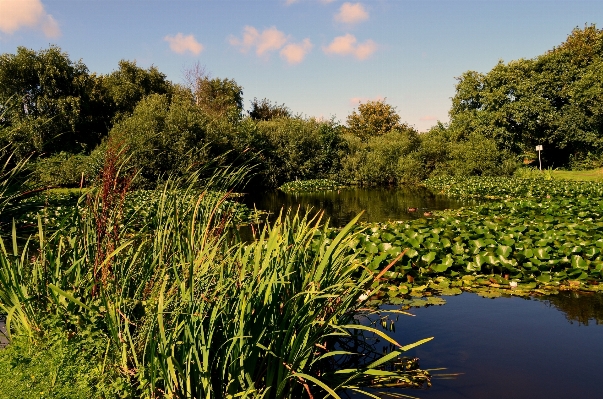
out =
column 183, row 310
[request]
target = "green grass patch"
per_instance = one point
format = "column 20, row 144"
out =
column 579, row 175
column 59, row 364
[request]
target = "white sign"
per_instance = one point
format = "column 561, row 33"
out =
column 538, row 148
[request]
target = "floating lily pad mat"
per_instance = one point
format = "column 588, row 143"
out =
column 518, row 348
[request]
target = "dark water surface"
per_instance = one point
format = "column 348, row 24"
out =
column 378, row 204
column 510, row 347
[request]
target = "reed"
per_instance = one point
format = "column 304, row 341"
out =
column 190, row 312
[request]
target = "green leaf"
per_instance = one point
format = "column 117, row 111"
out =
column 578, row 262
column 504, row 251
column 542, row 253
column 429, row 257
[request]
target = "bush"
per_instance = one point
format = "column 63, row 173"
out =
column 65, row 170
column 383, row 159
column 296, row 149
column 479, row 156
column 162, row 137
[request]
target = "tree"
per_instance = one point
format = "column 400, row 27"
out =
column 164, row 135
column 373, row 118
column 44, row 96
column 129, row 84
column 553, row 99
column 264, row 110
column 217, row 97
column 295, row 148
column 386, row 159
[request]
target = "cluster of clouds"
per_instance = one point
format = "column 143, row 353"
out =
column 271, row 40
column 18, row 14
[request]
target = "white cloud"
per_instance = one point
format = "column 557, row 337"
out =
column 428, row 118
column 17, row 14
column 294, row 53
column 348, row 45
column 326, row 1
column 351, row 13
column 270, row 39
column 180, row 44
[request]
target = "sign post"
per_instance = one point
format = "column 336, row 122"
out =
column 539, row 148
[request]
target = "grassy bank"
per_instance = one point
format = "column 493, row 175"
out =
column 579, row 175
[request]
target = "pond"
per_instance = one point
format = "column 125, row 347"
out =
column 509, row 347
column 378, row 204
column 547, row 347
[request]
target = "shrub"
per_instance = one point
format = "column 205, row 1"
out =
column 65, row 170
column 383, row 159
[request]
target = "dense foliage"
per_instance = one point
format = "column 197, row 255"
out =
column 309, row 185
column 555, row 99
column 54, row 110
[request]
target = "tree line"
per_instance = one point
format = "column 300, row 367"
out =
column 62, row 117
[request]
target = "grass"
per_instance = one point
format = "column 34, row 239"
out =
column 579, row 175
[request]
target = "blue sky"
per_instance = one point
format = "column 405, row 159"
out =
column 319, row 57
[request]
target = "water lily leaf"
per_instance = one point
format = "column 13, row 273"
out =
column 411, row 253
column 544, row 278
column 472, row 267
column 458, row 248
column 591, row 252
column 415, row 243
column 489, row 293
column 384, row 246
column 388, row 237
column 491, row 260
column 478, row 243
column 480, row 259
column 429, row 257
column 435, row 300
column 504, row 251
column 439, row 268
column 578, row 262
column 451, row 291
column 371, row 248
column 542, row 253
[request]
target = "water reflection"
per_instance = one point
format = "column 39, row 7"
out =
column 578, row 307
column 378, row 204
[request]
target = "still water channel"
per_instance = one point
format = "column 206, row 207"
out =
column 377, row 204
column 549, row 347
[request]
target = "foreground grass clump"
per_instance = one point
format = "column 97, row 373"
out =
column 187, row 311
column 310, row 185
